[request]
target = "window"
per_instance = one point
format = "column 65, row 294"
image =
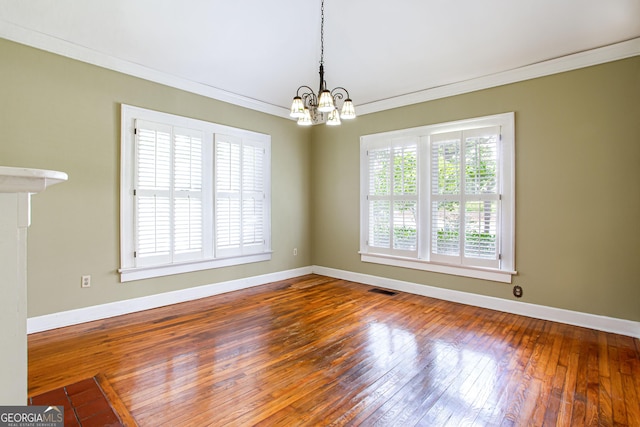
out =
column 393, row 197
column 240, row 201
column 194, row 195
column 441, row 198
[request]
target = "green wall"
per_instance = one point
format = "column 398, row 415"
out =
column 61, row 114
column 577, row 188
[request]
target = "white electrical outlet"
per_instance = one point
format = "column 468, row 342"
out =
column 86, row 281
column 295, row 251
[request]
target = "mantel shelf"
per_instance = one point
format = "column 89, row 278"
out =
column 25, row 180
column 16, row 188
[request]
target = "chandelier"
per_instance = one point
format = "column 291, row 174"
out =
column 310, row 108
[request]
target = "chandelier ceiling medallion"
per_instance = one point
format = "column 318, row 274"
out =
column 310, row 108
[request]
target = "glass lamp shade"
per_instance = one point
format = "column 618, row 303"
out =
column 305, row 120
column 297, row 108
column 334, row 118
column 348, row 110
column 325, row 103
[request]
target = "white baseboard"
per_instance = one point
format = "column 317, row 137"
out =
column 104, row 311
column 592, row 321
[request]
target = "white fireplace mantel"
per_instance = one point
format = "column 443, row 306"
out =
column 25, row 180
column 16, row 187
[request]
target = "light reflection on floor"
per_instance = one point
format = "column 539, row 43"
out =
column 464, row 379
column 473, row 388
column 386, row 341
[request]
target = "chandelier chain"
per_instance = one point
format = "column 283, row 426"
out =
column 322, row 32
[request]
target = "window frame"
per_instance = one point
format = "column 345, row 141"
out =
column 129, row 270
column 506, row 189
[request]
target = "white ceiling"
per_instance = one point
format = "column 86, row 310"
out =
column 261, row 51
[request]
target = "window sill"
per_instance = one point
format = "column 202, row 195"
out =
column 138, row 273
column 476, row 273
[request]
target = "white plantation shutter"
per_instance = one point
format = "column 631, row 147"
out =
column 464, row 197
column 379, row 198
column 240, row 199
column 393, row 198
column 482, row 196
column 445, row 228
column 405, row 196
column 228, row 186
column 153, row 193
column 168, row 194
column 253, row 194
column 187, row 195
column 446, row 165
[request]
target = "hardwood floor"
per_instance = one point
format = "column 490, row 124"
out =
column 319, row 351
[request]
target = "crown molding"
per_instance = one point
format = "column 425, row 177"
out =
column 64, row 48
column 575, row 61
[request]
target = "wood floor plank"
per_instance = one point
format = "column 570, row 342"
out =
column 518, row 393
column 593, row 382
column 318, row 351
column 617, row 391
column 512, row 357
column 114, row 399
column 568, row 399
column 579, row 404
